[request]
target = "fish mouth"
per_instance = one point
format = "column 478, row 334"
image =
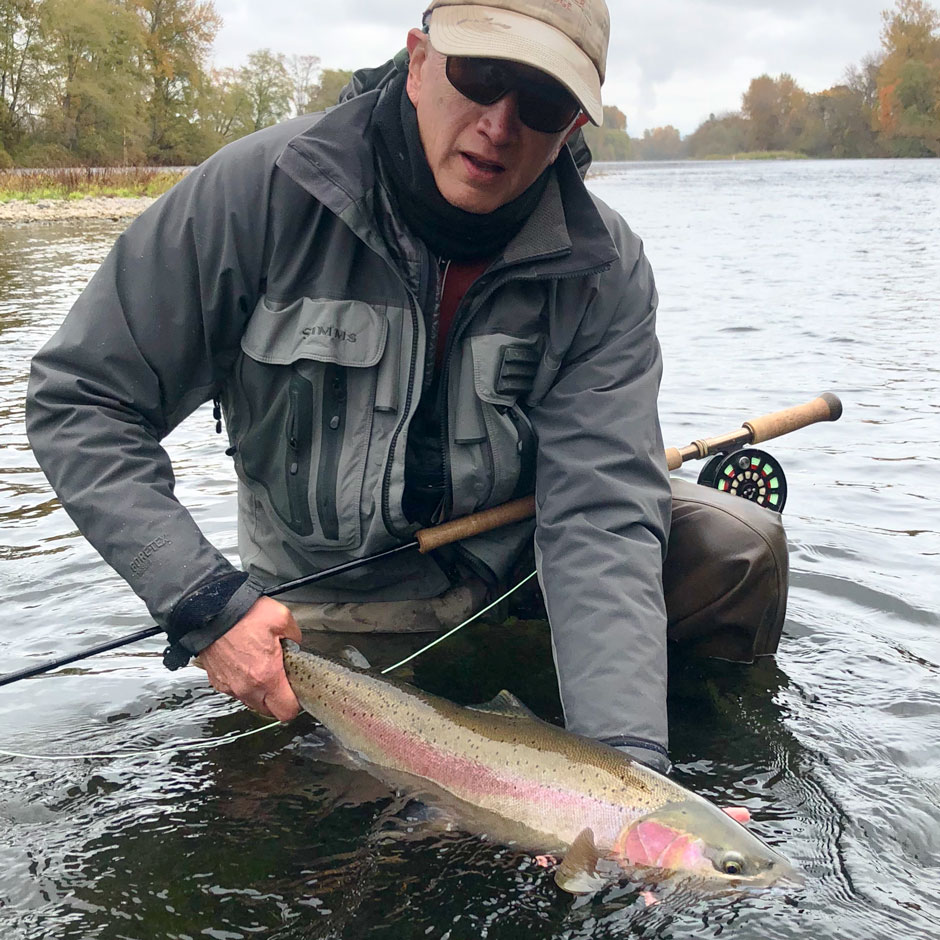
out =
column 786, row 876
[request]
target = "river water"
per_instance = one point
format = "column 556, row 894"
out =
column 777, row 281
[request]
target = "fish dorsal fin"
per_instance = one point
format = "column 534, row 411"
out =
column 353, row 657
column 505, row 703
column 577, row 874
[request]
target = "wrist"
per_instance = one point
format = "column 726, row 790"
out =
column 642, row 750
column 206, row 614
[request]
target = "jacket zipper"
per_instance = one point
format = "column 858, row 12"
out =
column 405, row 414
column 443, row 508
column 456, row 331
column 299, row 422
column 332, row 431
column 527, row 449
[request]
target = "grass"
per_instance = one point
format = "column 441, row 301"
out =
column 768, row 155
column 78, row 182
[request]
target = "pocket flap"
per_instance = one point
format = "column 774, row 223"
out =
column 345, row 332
column 504, row 366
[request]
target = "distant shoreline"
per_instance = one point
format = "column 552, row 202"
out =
column 115, row 208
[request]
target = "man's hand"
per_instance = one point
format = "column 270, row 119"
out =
column 246, row 662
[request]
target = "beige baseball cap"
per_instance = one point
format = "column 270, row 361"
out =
column 565, row 38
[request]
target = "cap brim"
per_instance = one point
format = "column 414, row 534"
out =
column 503, row 34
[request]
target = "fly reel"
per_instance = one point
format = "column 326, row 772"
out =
column 750, row 473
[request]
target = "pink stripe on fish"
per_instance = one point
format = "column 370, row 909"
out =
column 473, row 780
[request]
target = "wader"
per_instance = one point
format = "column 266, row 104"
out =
column 725, row 581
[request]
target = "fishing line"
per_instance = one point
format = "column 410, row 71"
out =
column 222, row 740
column 469, row 620
column 192, row 745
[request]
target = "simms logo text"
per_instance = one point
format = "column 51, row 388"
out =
column 334, row 332
column 140, row 564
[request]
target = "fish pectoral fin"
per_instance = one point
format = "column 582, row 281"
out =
column 353, row 657
column 505, row 703
column 577, row 874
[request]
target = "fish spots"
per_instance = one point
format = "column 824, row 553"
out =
column 524, row 770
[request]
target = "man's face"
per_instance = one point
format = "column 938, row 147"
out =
column 482, row 156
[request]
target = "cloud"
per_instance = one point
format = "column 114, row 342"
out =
column 670, row 62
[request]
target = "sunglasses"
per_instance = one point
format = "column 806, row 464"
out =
column 543, row 105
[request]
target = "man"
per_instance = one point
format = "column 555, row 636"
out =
column 411, row 309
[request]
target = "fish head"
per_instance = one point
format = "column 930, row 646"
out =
column 693, row 837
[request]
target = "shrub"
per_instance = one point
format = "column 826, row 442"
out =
column 45, row 155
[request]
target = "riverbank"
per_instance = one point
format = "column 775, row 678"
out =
column 19, row 211
column 56, row 195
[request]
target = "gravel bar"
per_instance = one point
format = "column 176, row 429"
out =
column 63, row 210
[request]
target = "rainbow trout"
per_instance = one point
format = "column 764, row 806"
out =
column 525, row 782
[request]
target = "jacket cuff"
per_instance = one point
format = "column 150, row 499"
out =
column 640, row 749
column 210, row 611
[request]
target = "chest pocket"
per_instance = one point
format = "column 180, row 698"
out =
column 493, row 444
column 306, row 383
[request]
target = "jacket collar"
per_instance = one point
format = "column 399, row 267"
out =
column 333, row 160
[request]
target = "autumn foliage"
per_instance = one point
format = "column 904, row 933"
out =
column 114, row 82
column 118, row 82
column 887, row 106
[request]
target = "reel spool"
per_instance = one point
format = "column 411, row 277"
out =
column 750, row 473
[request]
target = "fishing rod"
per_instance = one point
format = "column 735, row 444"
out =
column 826, row 407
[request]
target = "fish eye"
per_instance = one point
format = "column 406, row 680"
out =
column 731, row 864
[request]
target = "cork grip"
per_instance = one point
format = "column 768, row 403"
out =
column 673, row 458
column 465, row 527
column 825, row 408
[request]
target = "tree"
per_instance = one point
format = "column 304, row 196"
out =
column 179, row 37
column 609, row 142
column 761, row 106
column 326, row 92
column 223, row 106
column 909, row 30
column 661, row 143
column 863, row 81
column 841, row 119
column 722, row 136
column 267, row 88
column 20, row 29
column 779, row 114
column 908, row 109
column 614, row 118
column 93, row 49
column 303, row 70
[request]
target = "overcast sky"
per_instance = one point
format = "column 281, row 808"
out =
column 670, row 61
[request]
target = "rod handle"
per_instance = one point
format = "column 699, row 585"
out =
column 478, row 522
column 673, row 458
column 827, row 407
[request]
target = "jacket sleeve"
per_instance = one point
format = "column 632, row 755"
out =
column 603, row 508
column 148, row 341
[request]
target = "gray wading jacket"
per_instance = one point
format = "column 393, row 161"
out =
column 277, row 277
